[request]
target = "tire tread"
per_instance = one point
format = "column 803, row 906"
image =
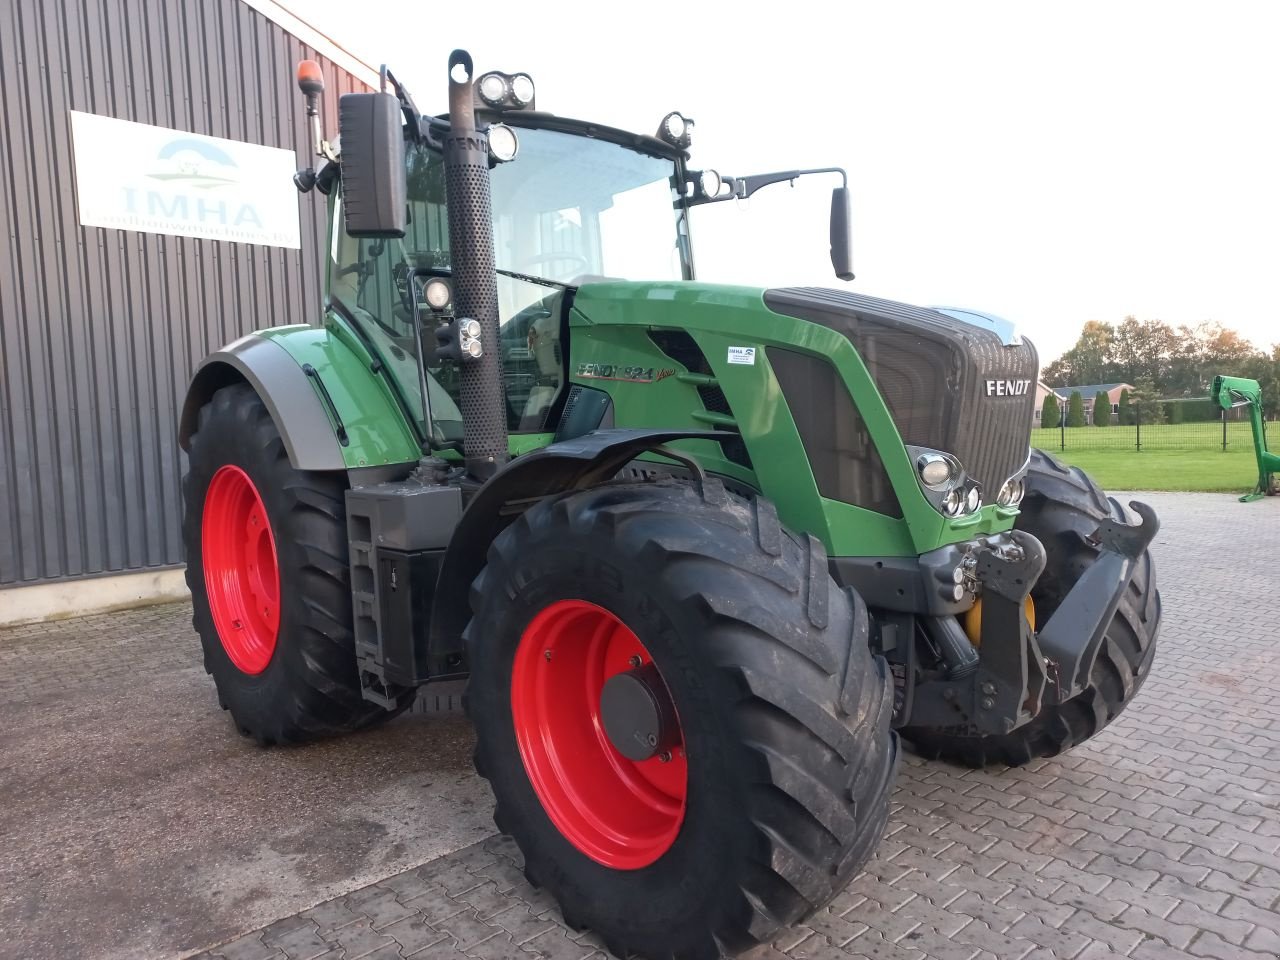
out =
column 819, row 744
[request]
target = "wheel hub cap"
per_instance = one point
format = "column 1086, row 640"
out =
column 637, row 714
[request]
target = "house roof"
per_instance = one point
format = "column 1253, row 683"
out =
column 1089, row 390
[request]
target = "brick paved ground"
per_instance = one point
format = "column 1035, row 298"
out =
column 135, row 821
column 1160, row 838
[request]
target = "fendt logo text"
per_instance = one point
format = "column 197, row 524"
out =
column 1008, row 388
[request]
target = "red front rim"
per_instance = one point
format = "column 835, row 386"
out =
column 241, row 575
column 622, row 813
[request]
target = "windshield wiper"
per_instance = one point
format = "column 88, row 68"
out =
column 529, row 278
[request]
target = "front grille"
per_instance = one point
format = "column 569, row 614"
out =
column 846, row 465
column 932, row 372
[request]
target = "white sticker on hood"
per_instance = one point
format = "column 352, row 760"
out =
column 745, row 355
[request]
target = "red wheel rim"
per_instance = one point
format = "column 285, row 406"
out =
column 241, row 575
column 622, row 813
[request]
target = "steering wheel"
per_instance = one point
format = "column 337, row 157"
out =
column 565, row 256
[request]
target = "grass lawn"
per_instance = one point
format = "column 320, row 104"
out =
column 1179, row 456
column 1200, row 470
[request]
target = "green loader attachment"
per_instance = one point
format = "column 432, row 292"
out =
column 1232, row 392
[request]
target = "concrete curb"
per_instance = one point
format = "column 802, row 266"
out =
column 76, row 598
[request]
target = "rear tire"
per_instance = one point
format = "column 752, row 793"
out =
column 782, row 710
column 1063, row 508
column 297, row 679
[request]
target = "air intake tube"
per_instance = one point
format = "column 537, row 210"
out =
column 475, row 284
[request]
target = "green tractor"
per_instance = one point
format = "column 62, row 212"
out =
column 703, row 553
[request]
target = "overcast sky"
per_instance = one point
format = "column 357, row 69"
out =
column 1049, row 163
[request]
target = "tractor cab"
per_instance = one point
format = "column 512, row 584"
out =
column 573, row 203
column 572, row 209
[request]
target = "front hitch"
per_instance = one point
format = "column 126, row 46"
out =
column 1018, row 668
column 1006, row 689
column 1073, row 636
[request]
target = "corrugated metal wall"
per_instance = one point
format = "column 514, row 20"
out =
column 100, row 329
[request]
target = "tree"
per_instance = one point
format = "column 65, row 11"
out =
column 1125, row 414
column 1225, row 348
column 1175, row 362
column 1266, row 370
column 1075, row 410
column 1141, row 349
column 1050, row 412
column 1087, row 361
column 1147, row 409
column 1101, row 409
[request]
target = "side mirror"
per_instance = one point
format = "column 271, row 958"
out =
column 841, row 241
column 374, row 186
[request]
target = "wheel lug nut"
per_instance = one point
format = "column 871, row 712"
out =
column 664, row 756
column 635, row 660
column 546, row 655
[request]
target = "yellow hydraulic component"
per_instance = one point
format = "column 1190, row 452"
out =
column 973, row 620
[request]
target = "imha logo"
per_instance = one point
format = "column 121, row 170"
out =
column 184, row 166
column 195, row 163
column 1008, row 388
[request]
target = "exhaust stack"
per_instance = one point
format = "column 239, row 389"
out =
column 475, row 284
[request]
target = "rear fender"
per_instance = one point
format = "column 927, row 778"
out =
column 562, row 467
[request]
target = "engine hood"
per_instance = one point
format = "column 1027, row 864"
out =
column 967, row 388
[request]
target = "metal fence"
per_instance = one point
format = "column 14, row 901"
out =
column 1152, row 425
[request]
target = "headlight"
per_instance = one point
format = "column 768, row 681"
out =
column 437, row 293
column 522, row 89
column 1011, row 493
column 973, row 501
column 503, row 143
column 944, row 482
column 493, row 89
column 709, row 181
column 936, row 470
column 675, row 130
column 953, row 503
column 469, row 338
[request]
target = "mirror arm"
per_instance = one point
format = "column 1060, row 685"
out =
column 412, row 116
column 740, row 188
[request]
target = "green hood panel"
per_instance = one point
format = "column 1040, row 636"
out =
column 732, row 327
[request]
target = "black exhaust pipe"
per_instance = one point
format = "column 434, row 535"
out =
column 475, row 284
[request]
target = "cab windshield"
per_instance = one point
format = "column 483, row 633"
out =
column 567, row 210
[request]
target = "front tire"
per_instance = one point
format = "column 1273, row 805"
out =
column 268, row 571
column 773, row 791
column 1062, row 509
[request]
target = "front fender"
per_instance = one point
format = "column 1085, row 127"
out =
column 562, row 467
column 276, row 377
column 332, row 407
